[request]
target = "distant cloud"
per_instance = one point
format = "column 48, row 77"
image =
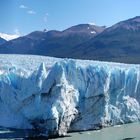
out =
column 31, row 12
column 22, row 6
column 46, row 14
column 17, row 32
column 28, row 10
column 46, row 17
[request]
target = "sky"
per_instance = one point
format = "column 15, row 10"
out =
column 24, row 16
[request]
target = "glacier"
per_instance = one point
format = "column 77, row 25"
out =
column 55, row 96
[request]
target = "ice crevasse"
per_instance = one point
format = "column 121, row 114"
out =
column 70, row 95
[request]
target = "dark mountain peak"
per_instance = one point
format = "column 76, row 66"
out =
column 84, row 28
column 135, row 19
column 119, row 43
column 81, row 29
column 41, row 35
column 53, row 33
column 132, row 24
column 36, row 35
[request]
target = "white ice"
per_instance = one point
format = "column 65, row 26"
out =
column 59, row 95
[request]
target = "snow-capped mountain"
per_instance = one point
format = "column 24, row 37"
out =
column 8, row 37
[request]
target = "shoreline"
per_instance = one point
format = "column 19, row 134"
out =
column 27, row 134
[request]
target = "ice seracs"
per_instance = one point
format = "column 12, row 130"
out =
column 55, row 96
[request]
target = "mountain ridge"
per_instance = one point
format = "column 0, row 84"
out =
column 118, row 43
column 43, row 43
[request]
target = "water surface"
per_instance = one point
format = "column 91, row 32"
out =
column 123, row 132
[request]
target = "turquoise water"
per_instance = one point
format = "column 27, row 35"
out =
column 123, row 132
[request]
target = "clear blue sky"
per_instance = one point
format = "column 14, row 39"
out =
column 25, row 16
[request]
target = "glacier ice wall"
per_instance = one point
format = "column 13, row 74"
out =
column 69, row 96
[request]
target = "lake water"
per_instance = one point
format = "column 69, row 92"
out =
column 123, row 132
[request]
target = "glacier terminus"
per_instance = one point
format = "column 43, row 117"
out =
column 55, row 96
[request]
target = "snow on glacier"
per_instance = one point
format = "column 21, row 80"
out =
column 54, row 95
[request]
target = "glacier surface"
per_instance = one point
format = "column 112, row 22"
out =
column 55, row 96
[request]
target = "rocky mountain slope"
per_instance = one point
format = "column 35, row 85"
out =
column 2, row 41
column 119, row 43
column 52, row 43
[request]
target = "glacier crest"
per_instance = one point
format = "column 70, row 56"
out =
column 69, row 97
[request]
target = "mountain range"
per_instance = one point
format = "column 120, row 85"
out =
column 118, row 43
column 52, row 43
